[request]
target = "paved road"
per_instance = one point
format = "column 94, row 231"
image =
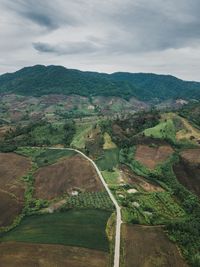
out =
column 118, row 209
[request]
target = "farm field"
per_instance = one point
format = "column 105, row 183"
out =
column 14, row 254
column 44, row 156
column 131, row 178
column 109, row 159
column 12, row 188
column 191, row 155
column 73, row 228
column 148, row 247
column 188, row 175
column 152, row 156
column 65, row 175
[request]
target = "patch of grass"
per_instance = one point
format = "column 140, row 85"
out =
column 80, row 136
column 82, row 228
column 44, row 156
column 164, row 130
column 109, row 159
column 111, row 177
column 108, row 143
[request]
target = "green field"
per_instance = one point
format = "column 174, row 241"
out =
column 164, row 130
column 44, row 156
column 79, row 138
column 109, row 159
column 111, row 178
column 83, row 228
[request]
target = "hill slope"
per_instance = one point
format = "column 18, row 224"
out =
column 40, row 80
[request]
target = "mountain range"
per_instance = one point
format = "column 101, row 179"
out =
column 41, row 80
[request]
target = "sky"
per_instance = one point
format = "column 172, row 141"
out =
column 159, row 36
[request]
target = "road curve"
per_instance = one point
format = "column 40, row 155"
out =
column 117, row 207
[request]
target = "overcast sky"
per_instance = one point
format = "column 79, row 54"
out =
column 161, row 36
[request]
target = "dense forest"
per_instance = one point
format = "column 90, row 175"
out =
column 40, row 80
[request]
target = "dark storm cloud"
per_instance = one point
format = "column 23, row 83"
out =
column 64, row 49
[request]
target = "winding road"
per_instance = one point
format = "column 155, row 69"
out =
column 117, row 207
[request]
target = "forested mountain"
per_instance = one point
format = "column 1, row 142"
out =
column 40, row 80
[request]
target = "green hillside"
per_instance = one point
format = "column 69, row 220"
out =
column 40, row 80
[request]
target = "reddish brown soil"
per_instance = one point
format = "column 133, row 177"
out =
column 152, row 156
column 188, row 175
column 191, row 155
column 42, row 255
column 74, row 172
column 12, row 168
column 131, row 178
column 149, row 247
column 9, row 208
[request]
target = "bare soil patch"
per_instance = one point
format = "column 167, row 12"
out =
column 191, row 155
column 9, row 208
column 12, row 168
column 41, row 255
column 188, row 175
column 131, row 178
column 152, row 156
column 62, row 177
column 149, row 247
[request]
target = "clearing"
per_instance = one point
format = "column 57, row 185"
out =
column 152, row 156
column 148, row 247
column 62, row 177
column 14, row 254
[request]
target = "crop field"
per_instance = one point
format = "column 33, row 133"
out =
column 14, row 254
column 81, row 228
column 96, row 200
column 9, row 208
column 12, row 188
column 188, row 175
column 62, row 177
column 129, row 177
column 148, row 247
column 153, row 208
column 191, row 155
column 44, row 156
column 152, row 156
column 109, row 159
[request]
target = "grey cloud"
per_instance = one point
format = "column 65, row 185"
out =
column 66, row 49
column 45, row 13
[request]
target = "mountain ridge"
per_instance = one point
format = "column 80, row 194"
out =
column 39, row 80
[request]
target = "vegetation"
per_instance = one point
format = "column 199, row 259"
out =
column 84, row 228
column 44, row 156
column 40, row 80
column 41, row 133
column 95, row 200
column 192, row 113
column 109, row 159
column 164, row 130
